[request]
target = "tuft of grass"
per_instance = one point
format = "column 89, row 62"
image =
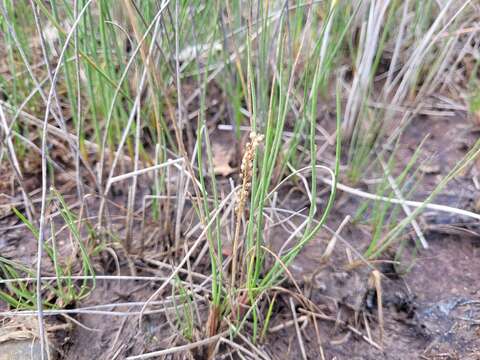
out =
column 64, row 291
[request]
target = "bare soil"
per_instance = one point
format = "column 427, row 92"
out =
column 431, row 301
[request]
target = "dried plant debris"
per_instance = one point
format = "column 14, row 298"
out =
column 224, row 153
column 19, row 338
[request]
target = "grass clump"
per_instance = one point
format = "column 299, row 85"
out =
column 64, row 290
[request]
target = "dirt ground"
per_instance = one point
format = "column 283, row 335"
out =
column 431, row 311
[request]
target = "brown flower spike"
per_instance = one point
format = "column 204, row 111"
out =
column 246, row 174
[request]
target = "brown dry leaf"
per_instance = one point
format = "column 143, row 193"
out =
column 223, row 156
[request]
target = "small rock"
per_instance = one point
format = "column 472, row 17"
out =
column 16, row 350
column 19, row 339
column 430, row 168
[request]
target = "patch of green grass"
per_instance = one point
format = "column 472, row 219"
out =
column 64, row 291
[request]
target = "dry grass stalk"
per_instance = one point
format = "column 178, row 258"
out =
column 297, row 329
column 375, row 282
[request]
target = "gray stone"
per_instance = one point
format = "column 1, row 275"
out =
column 20, row 350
